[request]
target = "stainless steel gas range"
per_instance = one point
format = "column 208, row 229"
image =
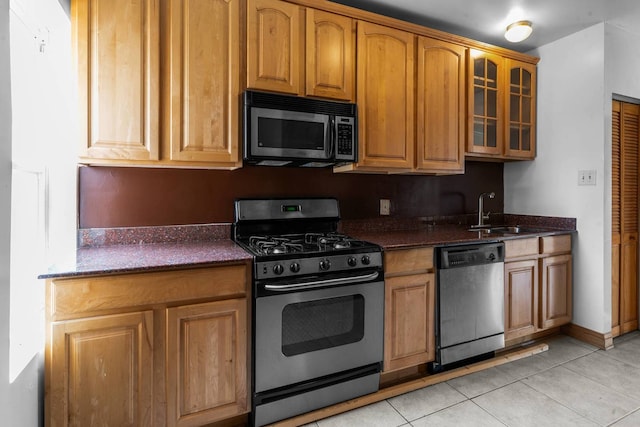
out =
column 318, row 307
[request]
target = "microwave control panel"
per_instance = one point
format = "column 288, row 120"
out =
column 345, row 138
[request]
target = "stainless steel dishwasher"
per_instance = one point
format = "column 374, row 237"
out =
column 470, row 302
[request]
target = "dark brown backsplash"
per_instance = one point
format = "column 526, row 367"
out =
column 132, row 197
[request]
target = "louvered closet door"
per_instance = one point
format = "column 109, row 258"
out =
column 626, row 142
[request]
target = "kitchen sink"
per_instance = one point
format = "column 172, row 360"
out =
column 506, row 229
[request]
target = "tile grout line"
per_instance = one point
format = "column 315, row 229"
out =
column 623, row 417
column 399, row 413
column 585, row 416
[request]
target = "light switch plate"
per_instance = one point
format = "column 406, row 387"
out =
column 385, row 207
column 587, row 177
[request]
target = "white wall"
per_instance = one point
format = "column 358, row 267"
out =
column 570, row 137
column 5, row 204
column 37, row 122
column 577, row 77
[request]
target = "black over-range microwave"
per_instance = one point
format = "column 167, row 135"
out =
column 284, row 130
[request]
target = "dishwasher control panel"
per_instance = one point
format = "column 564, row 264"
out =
column 469, row 255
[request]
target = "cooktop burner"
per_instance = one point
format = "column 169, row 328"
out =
column 300, row 243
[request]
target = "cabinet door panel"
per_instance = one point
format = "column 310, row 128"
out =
column 555, row 291
column 485, row 106
column 409, row 321
column 520, row 107
column 385, row 94
column 204, row 79
column 273, row 46
column 521, row 298
column 440, row 106
column 102, row 371
column 117, row 43
column 206, row 362
column 330, row 53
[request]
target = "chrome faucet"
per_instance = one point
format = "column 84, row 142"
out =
column 481, row 214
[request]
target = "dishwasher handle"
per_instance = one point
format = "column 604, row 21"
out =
column 459, row 256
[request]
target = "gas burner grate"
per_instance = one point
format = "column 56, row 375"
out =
column 307, row 243
column 328, row 241
column 274, row 245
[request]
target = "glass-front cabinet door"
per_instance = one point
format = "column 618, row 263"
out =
column 485, row 104
column 521, row 110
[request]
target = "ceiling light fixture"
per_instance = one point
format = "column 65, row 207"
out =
column 518, row 31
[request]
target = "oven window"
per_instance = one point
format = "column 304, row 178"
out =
column 291, row 134
column 319, row 324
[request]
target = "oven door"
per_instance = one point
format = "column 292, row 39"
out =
column 302, row 335
column 289, row 135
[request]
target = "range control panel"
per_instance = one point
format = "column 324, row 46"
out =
column 316, row 265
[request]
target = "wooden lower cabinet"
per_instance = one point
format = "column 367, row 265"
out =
column 206, row 362
column 102, row 371
column 537, row 285
column 409, row 331
column 555, row 291
column 151, row 349
column 520, row 298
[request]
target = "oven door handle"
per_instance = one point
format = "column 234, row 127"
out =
column 323, row 283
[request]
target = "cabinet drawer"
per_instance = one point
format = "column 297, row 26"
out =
column 80, row 297
column 517, row 248
column 555, row 244
column 408, row 260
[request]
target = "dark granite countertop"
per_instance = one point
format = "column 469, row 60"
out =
column 148, row 257
column 444, row 235
column 394, row 233
column 141, row 249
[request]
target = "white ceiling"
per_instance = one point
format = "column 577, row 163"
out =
column 486, row 20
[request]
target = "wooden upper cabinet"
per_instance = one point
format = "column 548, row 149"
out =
column 202, row 90
column 385, row 97
column 124, row 88
column 502, row 107
column 520, row 110
column 485, row 103
column 440, row 104
column 330, row 53
column 286, row 53
column 274, row 47
column 117, row 44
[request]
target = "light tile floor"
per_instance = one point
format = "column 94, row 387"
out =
column 571, row 384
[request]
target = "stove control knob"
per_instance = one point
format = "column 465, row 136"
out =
column 278, row 269
column 325, row 264
column 352, row 261
column 366, row 260
column 294, row 267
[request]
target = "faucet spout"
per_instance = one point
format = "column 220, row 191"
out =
column 481, row 215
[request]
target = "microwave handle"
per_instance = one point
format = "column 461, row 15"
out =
column 333, row 136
